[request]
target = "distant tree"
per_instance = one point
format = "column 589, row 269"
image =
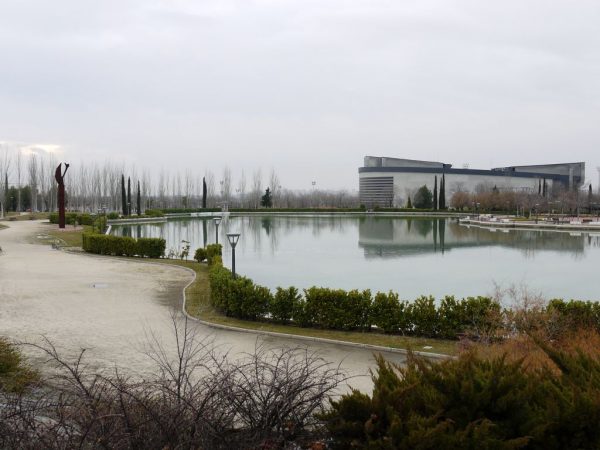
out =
column 128, row 196
column 435, row 193
column 123, row 196
column 539, row 187
column 266, row 200
column 460, row 200
column 590, row 199
column 204, row 192
column 409, row 204
column 423, row 198
column 442, row 200
column 139, row 200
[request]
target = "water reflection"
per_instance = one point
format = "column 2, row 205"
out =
column 384, row 237
column 379, row 237
column 385, row 253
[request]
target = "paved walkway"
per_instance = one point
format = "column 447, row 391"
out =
column 110, row 305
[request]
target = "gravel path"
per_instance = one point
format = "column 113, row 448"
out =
column 110, row 305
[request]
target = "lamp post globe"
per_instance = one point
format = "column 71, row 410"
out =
column 233, row 239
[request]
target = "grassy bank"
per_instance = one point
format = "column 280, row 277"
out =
column 198, row 305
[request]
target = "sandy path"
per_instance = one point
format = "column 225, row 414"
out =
column 49, row 292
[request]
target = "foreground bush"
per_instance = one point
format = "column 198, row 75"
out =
column 101, row 244
column 15, row 374
column 194, row 399
column 474, row 402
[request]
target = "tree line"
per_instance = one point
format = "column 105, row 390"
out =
column 28, row 184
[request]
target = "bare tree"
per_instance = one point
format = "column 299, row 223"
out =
column 226, row 185
column 196, row 398
column 274, row 185
column 256, row 188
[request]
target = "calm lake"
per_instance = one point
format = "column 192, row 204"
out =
column 410, row 256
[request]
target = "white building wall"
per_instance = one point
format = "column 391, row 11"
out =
column 407, row 183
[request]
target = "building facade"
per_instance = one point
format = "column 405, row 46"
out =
column 389, row 182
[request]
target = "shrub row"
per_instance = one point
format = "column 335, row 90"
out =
column 353, row 310
column 72, row 217
column 123, row 246
column 478, row 317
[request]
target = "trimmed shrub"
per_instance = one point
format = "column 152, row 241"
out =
column 213, row 250
column 72, row 217
column 385, row 312
column 284, row 304
column 423, row 317
column 151, row 247
column 200, row 254
column 153, row 213
column 122, row 245
column 112, row 215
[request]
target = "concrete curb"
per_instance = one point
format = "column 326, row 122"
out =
column 375, row 348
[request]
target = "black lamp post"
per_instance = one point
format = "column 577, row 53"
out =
column 217, row 223
column 233, row 240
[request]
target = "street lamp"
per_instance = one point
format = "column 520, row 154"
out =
column 233, row 239
column 217, row 223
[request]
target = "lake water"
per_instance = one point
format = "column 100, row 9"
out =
column 410, row 256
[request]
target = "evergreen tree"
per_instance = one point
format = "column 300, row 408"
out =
column 204, row 192
column 545, row 188
column 590, row 199
column 435, row 193
column 139, row 200
column 123, row 196
column 267, row 201
column 442, row 201
column 540, row 187
column 128, row 196
column 423, row 198
column 409, row 204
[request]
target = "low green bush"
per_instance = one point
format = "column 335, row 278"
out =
column 284, row 304
column 200, row 254
column 213, row 250
column 72, row 217
column 123, row 246
column 153, row 213
column 112, row 215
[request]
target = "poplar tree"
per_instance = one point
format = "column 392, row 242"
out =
column 128, row 196
column 123, row 196
column 139, row 200
column 435, row 194
column 442, row 202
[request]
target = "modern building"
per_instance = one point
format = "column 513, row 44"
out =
column 387, row 181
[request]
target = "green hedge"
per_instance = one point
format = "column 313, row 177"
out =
column 451, row 318
column 72, row 217
column 352, row 310
column 123, row 246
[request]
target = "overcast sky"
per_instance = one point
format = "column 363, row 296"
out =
column 307, row 87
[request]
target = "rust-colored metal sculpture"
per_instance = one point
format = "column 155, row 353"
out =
column 59, row 175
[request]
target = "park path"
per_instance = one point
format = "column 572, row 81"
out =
column 110, row 305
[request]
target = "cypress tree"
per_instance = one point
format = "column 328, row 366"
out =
column 435, row 194
column 540, row 187
column 590, row 199
column 139, row 200
column 123, row 196
column 409, row 204
column 128, row 196
column 442, row 201
column 204, row 192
